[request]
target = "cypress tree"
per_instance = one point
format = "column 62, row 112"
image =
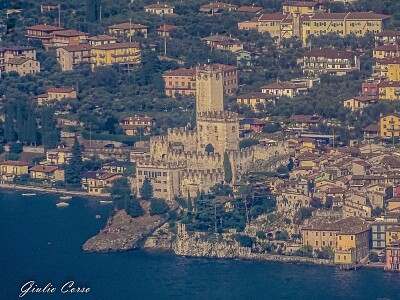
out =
column 189, row 204
column 227, row 168
column 9, row 131
column 146, row 191
column 74, row 169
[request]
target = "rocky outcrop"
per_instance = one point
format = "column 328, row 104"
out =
column 123, row 232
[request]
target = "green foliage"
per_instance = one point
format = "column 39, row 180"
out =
column 16, row 148
column 303, row 214
column 377, row 211
column 290, row 165
column 282, row 235
column 305, row 250
column 74, row 169
column 130, row 171
column 328, row 202
column 244, row 240
column 261, row 235
column 146, row 191
column 373, row 256
column 271, row 127
column 158, row 207
column 246, row 143
column 48, row 130
column 12, row 156
column 22, row 179
column 1, row 149
column 129, row 140
column 134, row 209
column 120, row 189
column 227, row 169
column 221, row 190
column 282, row 170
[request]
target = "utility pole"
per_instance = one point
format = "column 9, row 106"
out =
column 90, row 135
column 59, row 15
column 215, row 214
column 165, row 43
column 100, row 14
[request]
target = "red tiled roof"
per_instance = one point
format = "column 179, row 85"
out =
column 389, row 33
column 75, row 48
column 389, row 60
column 372, row 127
column 330, row 53
column 60, row 90
column 69, row 33
column 387, row 48
column 249, row 9
column 44, row 27
column 166, row 28
column 15, row 163
column 366, row 16
column 272, row 17
column 127, row 26
column 102, row 37
column 393, row 229
column 255, row 95
column 43, row 168
column 159, row 5
column 365, row 98
column 217, row 5
column 284, row 85
column 328, row 16
column 18, row 60
column 384, row 84
column 305, row 119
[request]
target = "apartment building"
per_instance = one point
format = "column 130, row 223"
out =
column 101, row 39
column 160, row 9
column 137, row 124
column 125, row 54
column 386, row 51
column 388, row 37
column 70, row 56
column 63, row 38
column 22, row 65
column 387, row 68
column 390, row 125
column 359, row 102
column 254, row 99
column 389, row 90
column 43, row 33
column 284, row 89
column 125, row 30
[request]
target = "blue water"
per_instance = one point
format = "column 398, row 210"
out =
column 28, row 224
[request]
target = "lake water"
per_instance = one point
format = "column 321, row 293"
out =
column 41, row 242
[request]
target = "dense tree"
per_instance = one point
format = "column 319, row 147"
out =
column 48, row 130
column 146, row 191
column 74, row 169
column 227, row 169
column 158, row 207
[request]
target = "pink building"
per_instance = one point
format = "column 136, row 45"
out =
column 393, row 257
column 370, row 88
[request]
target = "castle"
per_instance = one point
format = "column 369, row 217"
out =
column 183, row 162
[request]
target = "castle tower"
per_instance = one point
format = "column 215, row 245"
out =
column 209, row 90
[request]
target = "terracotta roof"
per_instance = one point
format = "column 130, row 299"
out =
column 18, row 48
column 118, row 46
column 349, row 16
column 18, row 60
column 361, row 163
column 255, row 95
column 159, row 5
column 192, row 71
column 102, row 37
column 127, row 26
column 217, row 38
column 166, row 28
column 305, row 118
column 372, row 127
column 99, row 175
column 389, row 60
column 272, row 17
column 328, row 16
column 387, row 48
column 330, row 53
column 350, row 225
column 15, row 163
column 389, row 84
column 363, row 98
column 394, row 200
column 69, row 33
column 216, row 5
column 389, row 33
column 60, row 90
column 138, row 118
column 44, row 27
column 75, row 48
column 300, row 3
column 43, row 168
column 393, row 229
column 249, row 9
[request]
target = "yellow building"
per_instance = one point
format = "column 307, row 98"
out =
column 392, row 235
column 52, row 173
column 127, row 54
column 97, row 182
column 300, row 7
column 117, row 166
column 388, row 68
column 349, row 238
column 389, row 90
column 58, row 156
column 386, row 51
column 272, row 23
column 359, row 102
column 254, row 99
column 10, row 169
column 390, row 125
column 159, row 9
column 127, row 29
column 135, row 125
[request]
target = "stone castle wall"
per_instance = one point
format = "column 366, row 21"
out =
column 193, row 181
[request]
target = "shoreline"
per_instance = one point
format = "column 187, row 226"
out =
column 16, row 187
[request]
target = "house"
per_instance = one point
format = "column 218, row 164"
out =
column 371, row 131
column 97, row 182
column 393, row 203
column 386, row 51
column 10, row 169
column 125, row 54
column 389, row 90
column 69, row 38
column 249, row 9
column 221, row 42
column 246, row 58
column 379, row 227
column 387, row 68
column 101, row 39
column 159, row 9
column 57, row 94
column 43, row 33
column 254, row 100
column 303, row 122
column 251, row 124
column 6, row 53
column 58, row 156
column 392, row 262
column 52, row 173
column 22, row 65
column 392, row 235
column 217, row 7
column 137, row 125
column 165, row 30
column 349, row 238
column 284, row 89
column 183, row 81
column 388, row 37
column 249, row 25
column 335, row 62
column 301, row 7
column 360, row 102
column 70, row 56
column 125, row 30
column 370, row 87
column 117, row 166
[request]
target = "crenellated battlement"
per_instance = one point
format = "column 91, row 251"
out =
column 151, row 163
column 181, row 131
column 203, row 174
column 219, row 116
